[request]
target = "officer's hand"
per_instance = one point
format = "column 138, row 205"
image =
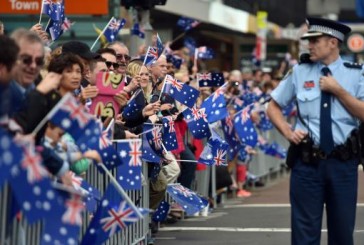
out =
column 329, row 84
column 296, row 136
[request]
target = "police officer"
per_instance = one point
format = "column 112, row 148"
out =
column 329, row 94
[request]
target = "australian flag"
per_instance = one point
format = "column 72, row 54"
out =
column 215, row 106
column 244, row 127
column 67, row 24
column 137, row 31
column 92, row 194
column 160, row 46
column 190, row 43
column 109, row 155
column 212, row 79
column 276, row 150
column 55, row 29
column 112, row 30
column 262, row 143
column 169, row 137
column 91, row 136
column 129, row 173
column 113, row 215
column 148, row 154
column 230, row 137
column 161, row 213
column 152, row 143
column 187, row 24
column 64, row 227
column 205, row 53
column 54, row 10
column 214, row 152
column 176, row 60
column 11, row 155
column 189, row 200
column 264, row 123
column 179, row 91
column 32, row 188
column 135, row 105
column 197, row 122
column 70, row 115
column 151, row 56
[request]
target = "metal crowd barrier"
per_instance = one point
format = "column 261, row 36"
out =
column 262, row 165
column 16, row 232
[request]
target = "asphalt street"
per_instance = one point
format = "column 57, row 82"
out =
column 263, row 218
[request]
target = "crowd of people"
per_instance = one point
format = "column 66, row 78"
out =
column 34, row 78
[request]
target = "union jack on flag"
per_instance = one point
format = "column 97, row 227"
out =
column 118, row 218
column 129, row 173
column 67, row 24
column 189, row 200
column 244, row 127
column 151, row 56
column 174, row 83
column 70, row 115
column 113, row 215
column 150, row 153
column 32, row 163
column 113, row 28
column 197, row 122
column 214, row 151
column 219, row 158
column 230, row 137
column 74, row 209
column 181, row 92
column 169, row 137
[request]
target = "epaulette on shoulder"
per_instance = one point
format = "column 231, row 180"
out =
column 353, row 65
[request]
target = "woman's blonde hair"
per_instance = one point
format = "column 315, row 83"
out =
column 133, row 69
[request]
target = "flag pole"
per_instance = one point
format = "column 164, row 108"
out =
column 41, row 13
column 178, row 37
column 121, row 190
column 49, row 21
column 164, row 83
column 102, row 33
column 145, row 59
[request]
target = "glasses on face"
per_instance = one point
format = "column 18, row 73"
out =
column 109, row 64
column 28, row 60
column 121, row 56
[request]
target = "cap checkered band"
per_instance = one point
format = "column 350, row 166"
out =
column 327, row 30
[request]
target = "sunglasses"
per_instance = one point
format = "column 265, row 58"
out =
column 121, row 56
column 28, row 60
column 109, row 64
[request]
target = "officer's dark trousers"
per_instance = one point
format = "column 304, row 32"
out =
column 330, row 182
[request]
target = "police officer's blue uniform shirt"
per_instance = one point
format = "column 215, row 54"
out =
column 303, row 83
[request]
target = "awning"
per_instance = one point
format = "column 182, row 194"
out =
column 212, row 12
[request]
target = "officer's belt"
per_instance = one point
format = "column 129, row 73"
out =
column 342, row 152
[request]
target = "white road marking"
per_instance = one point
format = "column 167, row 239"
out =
column 268, row 205
column 232, row 229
